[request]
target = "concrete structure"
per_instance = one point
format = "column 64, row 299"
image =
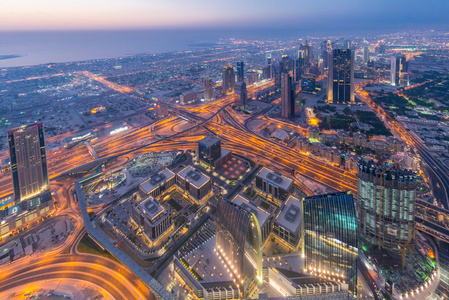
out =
column 287, row 97
column 152, row 217
column 392, row 191
column 228, row 83
column 157, row 184
column 276, row 185
column 208, row 89
column 399, row 74
column 188, row 98
column 241, row 94
column 287, row 224
column 194, row 182
column 340, row 87
column 28, row 161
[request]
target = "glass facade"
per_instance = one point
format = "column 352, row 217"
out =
column 209, row 152
column 239, row 242
column 341, row 76
column 330, row 237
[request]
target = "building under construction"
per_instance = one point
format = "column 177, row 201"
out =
column 386, row 205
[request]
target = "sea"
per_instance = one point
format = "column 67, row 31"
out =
column 42, row 47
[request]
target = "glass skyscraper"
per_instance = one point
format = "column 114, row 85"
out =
column 28, row 161
column 340, row 87
column 330, row 238
column 239, row 243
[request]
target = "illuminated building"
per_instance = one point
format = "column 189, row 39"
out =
column 366, row 53
column 210, row 152
column 241, row 94
column 208, row 89
column 288, row 221
column 160, row 110
column 330, row 238
column 239, row 243
column 157, row 184
column 307, row 55
column 194, row 182
column 228, row 84
column 341, row 77
column 308, row 83
column 346, row 44
column 287, row 97
column 152, row 217
column 28, row 161
column 399, row 71
column 274, row 184
column 392, row 191
column 188, row 98
column 240, row 71
column 270, row 66
column 262, row 216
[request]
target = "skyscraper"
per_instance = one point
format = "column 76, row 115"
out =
column 340, row 88
column 330, row 237
column 240, row 71
column 390, row 191
column 399, row 71
column 270, row 65
column 241, row 95
column 208, row 89
column 239, row 244
column 346, row 44
column 307, row 55
column 228, row 84
column 287, row 96
column 28, row 161
column 366, row 53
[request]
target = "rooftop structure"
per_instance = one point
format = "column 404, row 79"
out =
column 157, row 183
column 274, row 184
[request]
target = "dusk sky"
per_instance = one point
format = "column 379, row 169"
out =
column 121, row 14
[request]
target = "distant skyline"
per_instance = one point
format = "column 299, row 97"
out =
column 320, row 15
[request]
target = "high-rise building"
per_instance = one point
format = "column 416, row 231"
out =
column 208, row 89
column 307, row 55
column 228, row 84
column 346, row 44
column 270, row 65
column 209, row 149
column 340, row 88
column 288, row 65
column 241, row 94
column 366, row 53
column 390, row 191
column 240, row 71
column 399, row 71
column 287, row 96
column 28, row 161
column 239, row 244
column 330, row 237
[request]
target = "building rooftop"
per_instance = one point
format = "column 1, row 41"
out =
column 389, row 172
column 209, row 140
column 156, row 180
column 151, row 208
column 289, row 216
column 262, row 216
column 275, row 178
column 194, row 176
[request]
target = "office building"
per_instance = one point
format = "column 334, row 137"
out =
column 391, row 191
column 152, row 217
column 194, row 182
column 210, row 153
column 308, row 83
column 365, row 53
column 208, row 89
column 270, row 66
column 188, row 98
column 239, row 243
column 157, row 184
column 241, row 98
column 307, row 55
column 330, row 238
column 28, row 161
column 274, row 184
column 287, row 97
column 240, row 71
column 340, row 87
column 346, row 44
column 399, row 71
column 228, row 84
column 287, row 223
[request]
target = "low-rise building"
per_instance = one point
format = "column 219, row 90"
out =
column 274, row 184
column 152, row 217
column 194, row 182
column 157, row 184
column 287, row 224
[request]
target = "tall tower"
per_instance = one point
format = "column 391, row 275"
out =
column 28, row 161
column 390, row 191
column 307, row 55
column 208, row 89
column 340, row 87
column 399, row 71
column 287, row 96
column 241, row 94
column 270, row 65
column 228, row 84
column 366, row 53
column 240, row 71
